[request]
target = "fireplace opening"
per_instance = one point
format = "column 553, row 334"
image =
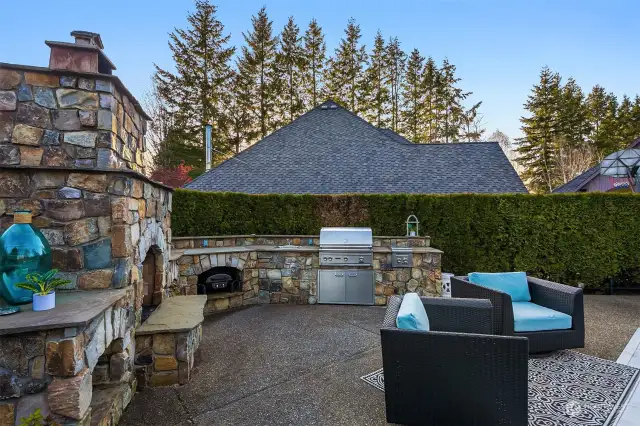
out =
column 220, row 279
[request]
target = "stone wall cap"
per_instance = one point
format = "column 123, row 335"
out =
column 121, row 87
column 175, row 315
column 129, row 172
column 73, row 309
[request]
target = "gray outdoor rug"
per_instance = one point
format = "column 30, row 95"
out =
column 568, row 388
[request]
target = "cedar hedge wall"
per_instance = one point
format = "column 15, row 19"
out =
column 569, row 238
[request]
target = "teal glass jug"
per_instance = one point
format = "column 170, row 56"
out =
column 23, row 249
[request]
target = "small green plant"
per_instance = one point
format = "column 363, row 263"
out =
column 42, row 284
column 36, row 419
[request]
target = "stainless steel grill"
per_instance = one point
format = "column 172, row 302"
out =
column 346, row 246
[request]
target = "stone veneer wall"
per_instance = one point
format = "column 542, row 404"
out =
column 64, row 119
column 79, row 375
column 291, row 276
column 165, row 359
column 99, row 225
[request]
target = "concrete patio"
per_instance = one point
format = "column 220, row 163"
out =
column 277, row 364
column 273, row 365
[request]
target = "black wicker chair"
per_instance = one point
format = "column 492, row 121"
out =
column 559, row 297
column 457, row 373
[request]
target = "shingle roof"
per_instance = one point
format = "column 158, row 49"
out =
column 330, row 150
column 575, row 184
column 580, row 181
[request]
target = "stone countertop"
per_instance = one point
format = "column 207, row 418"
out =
column 175, row 315
column 73, row 309
column 268, row 248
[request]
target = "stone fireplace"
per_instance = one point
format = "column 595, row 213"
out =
column 73, row 152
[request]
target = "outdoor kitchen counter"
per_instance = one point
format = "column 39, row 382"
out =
column 270, row 248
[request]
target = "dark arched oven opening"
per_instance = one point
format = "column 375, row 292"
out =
column 220, row 279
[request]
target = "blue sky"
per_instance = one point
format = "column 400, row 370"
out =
column 499, row 46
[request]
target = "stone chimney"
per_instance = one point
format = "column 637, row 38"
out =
column 85, row 55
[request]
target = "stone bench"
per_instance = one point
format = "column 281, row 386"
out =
column 167, row 341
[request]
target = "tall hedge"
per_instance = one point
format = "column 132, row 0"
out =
column 570, row 238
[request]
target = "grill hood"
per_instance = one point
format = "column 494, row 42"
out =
column 346, row 238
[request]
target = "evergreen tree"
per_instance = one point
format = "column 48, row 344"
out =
column 541, row 128
column 376, row 91
column 314, row 62
column 606, row 139
column 345, row 78
column 574, row 154
column 472, row 129
column 196, row 93
column 396, row 61
column 290, row 62
column 411, row 111
column 451, row 96
column 628, row 121
column 257, row 64
column 597, row 102
column 432, row 102
column 243, row 123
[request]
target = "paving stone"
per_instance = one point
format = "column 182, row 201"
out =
column 165, row 363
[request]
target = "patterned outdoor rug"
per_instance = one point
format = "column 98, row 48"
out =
column 568, row 388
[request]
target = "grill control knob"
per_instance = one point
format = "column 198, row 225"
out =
column 346, row 259
column 330, row 259
column 361, row 259
column 324, row 258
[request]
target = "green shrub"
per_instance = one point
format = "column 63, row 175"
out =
column 569, row 238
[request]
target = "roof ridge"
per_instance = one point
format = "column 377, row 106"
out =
column 248, row 149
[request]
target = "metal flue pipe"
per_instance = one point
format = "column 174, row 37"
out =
column 207, row 146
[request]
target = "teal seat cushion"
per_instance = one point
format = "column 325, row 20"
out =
column 513, row 283
column 528, row 316
column 412, row 315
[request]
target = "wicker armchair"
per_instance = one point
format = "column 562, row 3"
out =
column 457, row 373
column 559, row 297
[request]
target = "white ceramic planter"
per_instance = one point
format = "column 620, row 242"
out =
column 44, row 303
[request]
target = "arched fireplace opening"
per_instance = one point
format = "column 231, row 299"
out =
column 220, row 279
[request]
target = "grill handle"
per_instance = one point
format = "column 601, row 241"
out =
column 354, row 274
column 338, row 274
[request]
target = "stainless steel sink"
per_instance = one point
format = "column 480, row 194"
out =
column 286, row 246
